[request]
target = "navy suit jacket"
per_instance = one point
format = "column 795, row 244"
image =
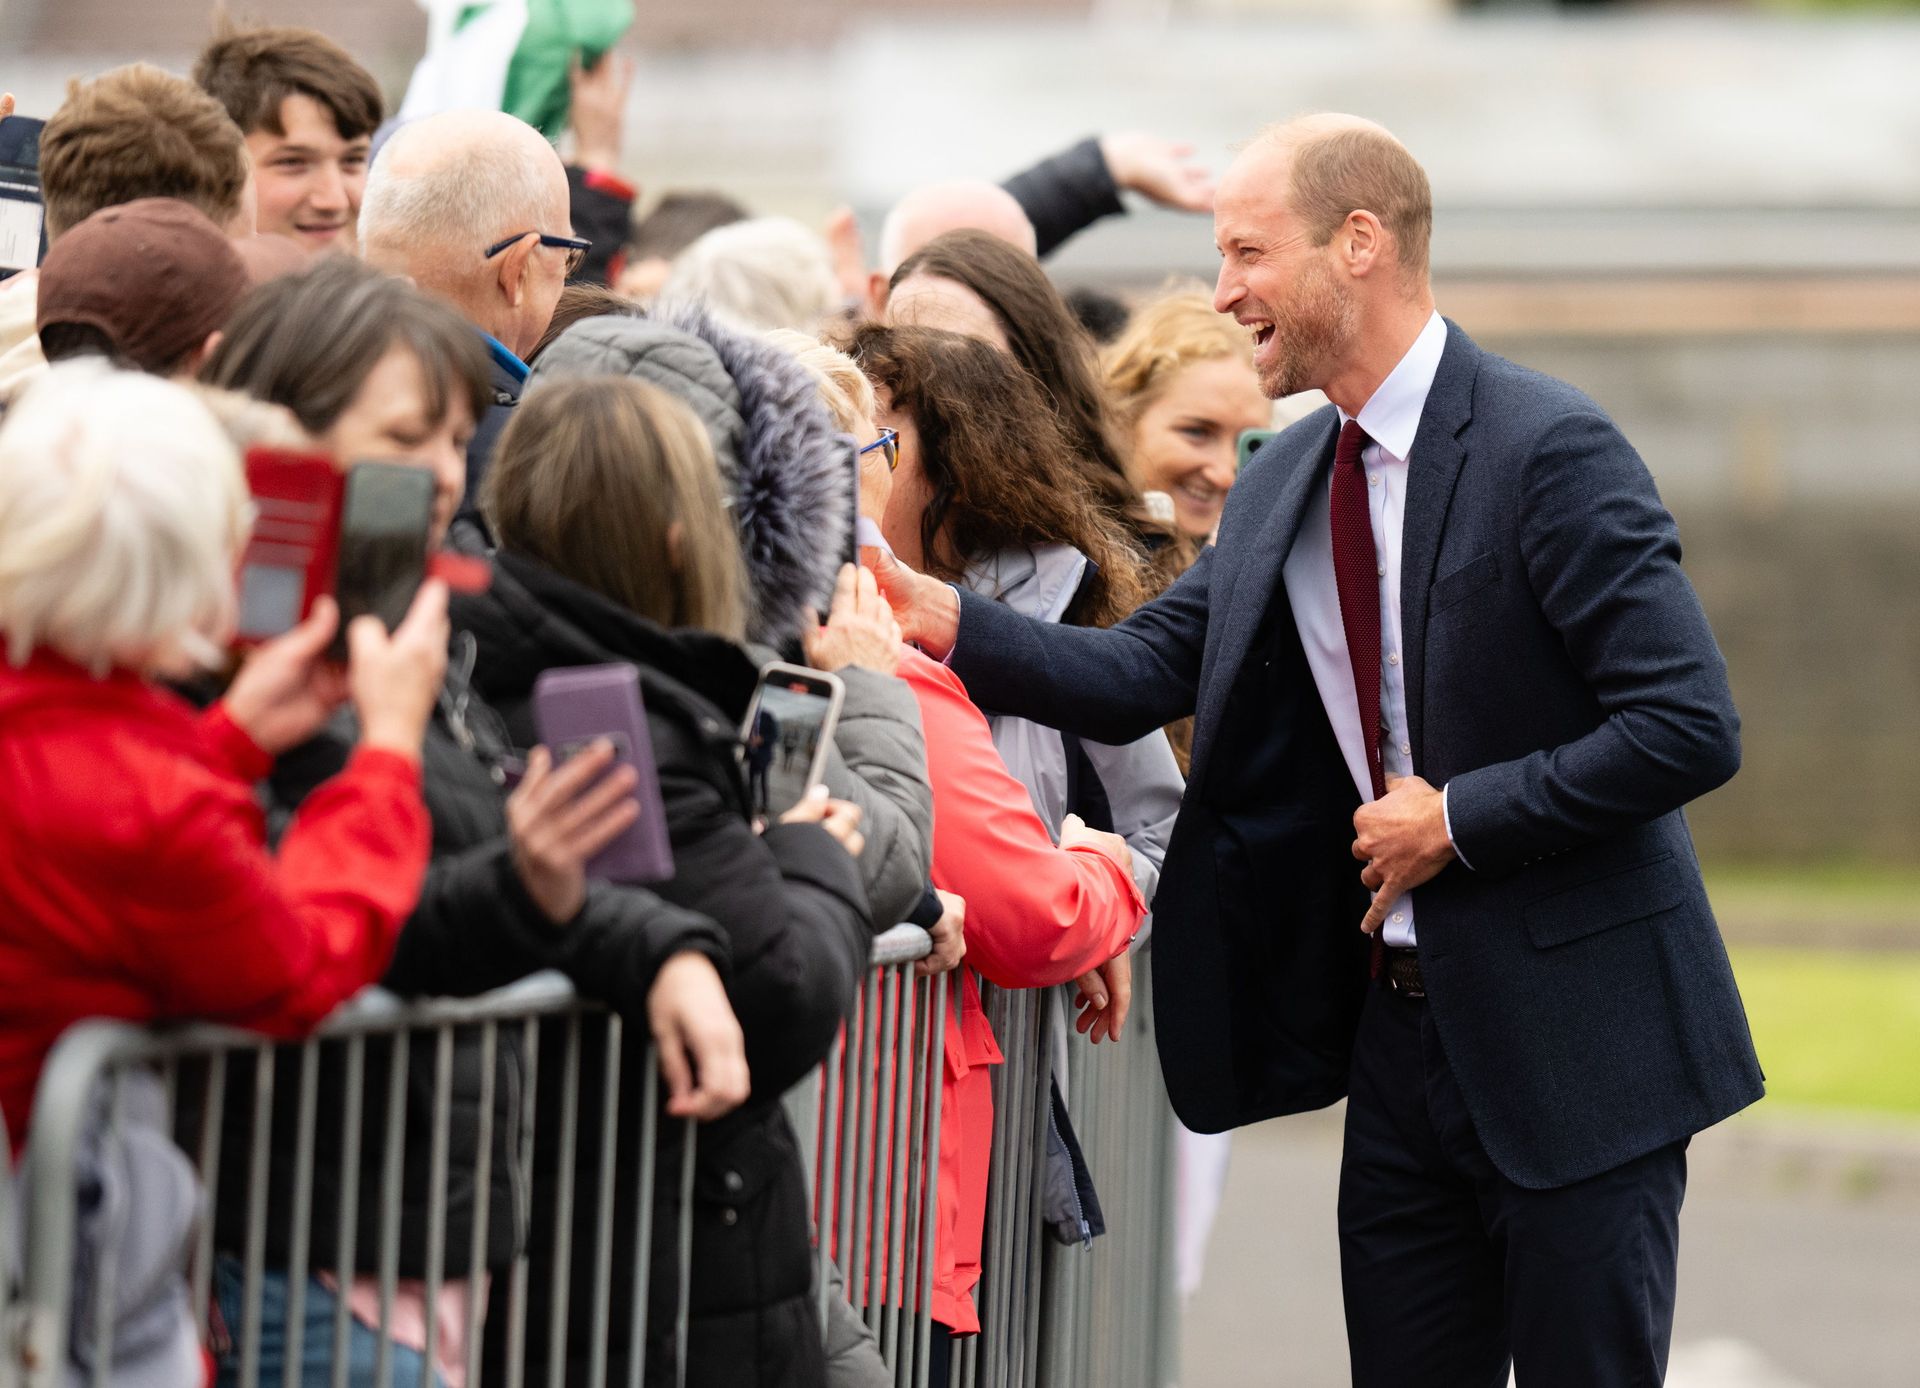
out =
column 1562, row 682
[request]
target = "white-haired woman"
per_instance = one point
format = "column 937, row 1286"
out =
column 136, row 882
column 765, row 272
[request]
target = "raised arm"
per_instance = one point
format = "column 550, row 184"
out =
column 1114, row 685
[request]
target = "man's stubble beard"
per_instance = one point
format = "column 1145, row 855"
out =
column 1310, row 333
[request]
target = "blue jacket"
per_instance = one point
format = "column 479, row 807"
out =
column 1561, row 680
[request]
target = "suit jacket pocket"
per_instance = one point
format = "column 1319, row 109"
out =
column 1458, row 583
column 1631, row 894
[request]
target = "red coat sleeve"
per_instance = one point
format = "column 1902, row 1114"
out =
column 231, row 933
column 1036, row 914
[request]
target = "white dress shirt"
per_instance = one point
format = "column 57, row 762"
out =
column 1390, row 417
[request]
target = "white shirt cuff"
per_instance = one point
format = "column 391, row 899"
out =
column 1446, row 816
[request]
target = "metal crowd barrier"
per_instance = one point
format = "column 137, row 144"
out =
column 868, row 1124
column 96, row 1059
column 1055, row 1315
column 869, row 1127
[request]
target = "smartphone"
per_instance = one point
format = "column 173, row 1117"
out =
column 23, row 222
column 1251, row 442
column 291, row 551
column 576, row 707
column 386, row 514
column 786, row 734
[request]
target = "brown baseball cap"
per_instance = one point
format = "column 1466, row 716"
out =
column 154, row 276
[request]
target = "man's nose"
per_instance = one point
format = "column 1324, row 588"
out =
column 329, row 190
column 1227, row 289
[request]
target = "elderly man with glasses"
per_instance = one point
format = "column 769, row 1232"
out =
column 472, row 206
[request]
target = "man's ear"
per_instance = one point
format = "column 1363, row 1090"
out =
column 877, row 284
column 512, row 274
column 198, row 358
column 1363, row 243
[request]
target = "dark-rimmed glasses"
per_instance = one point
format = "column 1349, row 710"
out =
column 889, row 444
column 574, row 246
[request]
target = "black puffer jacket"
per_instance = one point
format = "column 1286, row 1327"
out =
column 795, row 917
column 475, row 929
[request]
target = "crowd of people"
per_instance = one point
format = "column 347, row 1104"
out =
column 665, row 438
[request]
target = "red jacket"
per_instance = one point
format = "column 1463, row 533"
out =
column 1036, row 915
column 135, row 882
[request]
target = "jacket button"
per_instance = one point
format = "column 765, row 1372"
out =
column 734, row 1183
column 729, row 1216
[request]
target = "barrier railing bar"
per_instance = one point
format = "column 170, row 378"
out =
column 643, row 1235
column 482, row 1201
column 886, row 1060
column 858, row 1267
column 437, row 1197
column 827, row 1181
column 682, row 1316
column 348, row 1224
column 563, row 1207
column 208, row 1167
column 392, row 1175
column 301, row 1243
column 899, row 1169
column 603, row 1208
column 517, row 1279
column 256, row 1249
column 930, row 1202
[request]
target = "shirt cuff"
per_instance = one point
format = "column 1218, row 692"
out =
column 610, row 183
column 1446, row 817
column 232, row 746
column 947, row 659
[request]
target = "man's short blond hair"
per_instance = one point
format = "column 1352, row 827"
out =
column 122, row 513
column 1341, row 165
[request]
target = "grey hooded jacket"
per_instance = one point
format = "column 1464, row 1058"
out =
column 790, row 477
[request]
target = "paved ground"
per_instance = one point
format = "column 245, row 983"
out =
column 1795, row 1271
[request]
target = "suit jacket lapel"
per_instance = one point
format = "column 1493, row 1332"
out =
column 1432, row 472
column 1255, row 569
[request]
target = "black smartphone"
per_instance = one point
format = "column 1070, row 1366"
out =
column 786, row 733
column 1251, row 442
column 23, row 222
column 385, row 518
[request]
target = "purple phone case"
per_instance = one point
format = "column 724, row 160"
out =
column 572, row 708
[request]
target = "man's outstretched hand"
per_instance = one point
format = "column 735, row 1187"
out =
column 1160, row 169
column 1402, row 839
column 927, row 610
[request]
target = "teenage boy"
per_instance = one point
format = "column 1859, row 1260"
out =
column 308, row 112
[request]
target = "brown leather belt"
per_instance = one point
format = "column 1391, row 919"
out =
column 1402, row 973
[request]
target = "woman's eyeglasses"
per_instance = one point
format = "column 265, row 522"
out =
column 574, row 246
column 889, row 444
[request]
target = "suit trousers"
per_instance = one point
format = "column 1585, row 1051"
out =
column 1452, row 1274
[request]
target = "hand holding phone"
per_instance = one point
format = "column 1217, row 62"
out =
column 595, row 706
column 559, row 818
column 786, row 735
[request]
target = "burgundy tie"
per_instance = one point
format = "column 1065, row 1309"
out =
column 1356, row 573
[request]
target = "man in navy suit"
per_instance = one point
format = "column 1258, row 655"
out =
column 1452, row 690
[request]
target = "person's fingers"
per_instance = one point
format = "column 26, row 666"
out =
column 1394, row 782
column 367, row 639
column 572, row 816
column 579, row 771
column 867, row 593
column 846, row 585
column 427, row 613
column 308, row 641
column 590, row 837
column 1122, row 1004
column 539, row 765
column 675, row 1068
column 1372, row 878
column 1376, row 913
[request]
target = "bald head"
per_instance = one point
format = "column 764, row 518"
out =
column 938, row 208
column 1332, row 165
column 455, row 183
column 446, row 188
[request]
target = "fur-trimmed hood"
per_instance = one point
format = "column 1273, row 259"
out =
column 790, row 477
